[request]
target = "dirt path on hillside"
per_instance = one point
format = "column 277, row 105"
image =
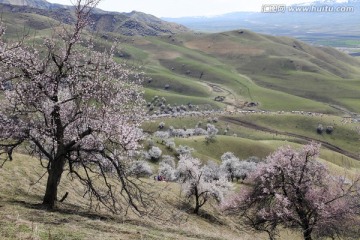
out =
column 269, row 130
column 230, row 98
column 353, row 115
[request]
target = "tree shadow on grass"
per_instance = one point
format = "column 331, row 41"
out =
column 70, row 213
column 209, row 217
column 64, row 209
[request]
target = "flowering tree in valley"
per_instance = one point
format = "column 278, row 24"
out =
column 155, row 153
column 293, row 190
column 196, row 185
column 74, row 109
column 167, row 168
column 183, row 150
column 233, row 168
column 228, row 156
column 211, row 171
column 211, row 133
column 244, row 168
column 140, row 169
column 229, row 168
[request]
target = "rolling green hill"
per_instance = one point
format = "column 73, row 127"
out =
column 279, row 73
column 275, row 73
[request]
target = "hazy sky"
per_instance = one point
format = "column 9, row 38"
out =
column 180, row 8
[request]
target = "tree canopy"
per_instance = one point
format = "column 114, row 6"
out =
column 294, row 190
column 75, row 109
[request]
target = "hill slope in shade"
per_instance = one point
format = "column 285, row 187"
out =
column 30, row 3
column 131, row 24
column 134, row 23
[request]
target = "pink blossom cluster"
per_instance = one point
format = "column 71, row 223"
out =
column 294, row 190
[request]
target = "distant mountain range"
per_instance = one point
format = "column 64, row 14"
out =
column 336, row 29
column 130, row 24
column 310, row 26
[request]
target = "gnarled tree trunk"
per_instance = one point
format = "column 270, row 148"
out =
column 54, row 177
column 307, row 234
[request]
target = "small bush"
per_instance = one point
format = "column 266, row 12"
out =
column 320, row 129
column 150, row 142
column 329, row 129
column 161, row 125
column 211, row 133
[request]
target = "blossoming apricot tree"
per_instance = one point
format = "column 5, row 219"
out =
column 75, row 109
column 294, row 190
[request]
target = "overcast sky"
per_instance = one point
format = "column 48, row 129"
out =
column 181, row 8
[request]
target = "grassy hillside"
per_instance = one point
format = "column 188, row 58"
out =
column 21, row 189
column 22, row 218
column 260, row 134
column 277, row 73
column 285, row 65
column 251, row 71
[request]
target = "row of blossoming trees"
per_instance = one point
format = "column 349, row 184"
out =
column 290, row 189
column 78, row 110
column 204, row 182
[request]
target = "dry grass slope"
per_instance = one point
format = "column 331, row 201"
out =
column 22, row 218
